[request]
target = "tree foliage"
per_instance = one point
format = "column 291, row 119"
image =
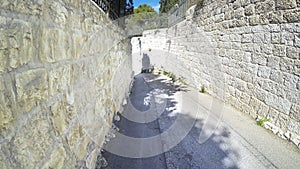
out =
column 144, row 17
column 166, row 5
column 142, row 14
column 144, row 9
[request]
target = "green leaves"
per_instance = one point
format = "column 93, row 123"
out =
column 144, row 9
column 144, row 18
column 166, row 5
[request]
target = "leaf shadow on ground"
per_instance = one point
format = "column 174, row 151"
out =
column 216, row 152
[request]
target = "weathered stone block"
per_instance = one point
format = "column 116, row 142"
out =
column 4, row 60
column 298, row 85
column 293, row 52
column 59, row 80
column 259, row 28
column 219, row 18
column 282, row 121
column 247, row 38
column 6, row 118
column 236, row 46
column 224, row 38
column 297, row 67
column 285, row 4
column 59, row 118
column 276, row 17
column 263, row 72
column 295, row 112
column 264, row 19
column 293, row 126
column 287, row 38
column 275, row 38
column 56, row 46
column 297, row 41
column 32, row 8
column 254, row 20
column 273, row 62
column 265, row 6
column 267, row 38
column 291, row 27
column 245, row 98
column 79, row 44
column 239, row 13
column 273, row 115
column 31, row 145
column 278, row 103
column 245, row 2
column 259, row 59
column 57, row 158
column 279, row 50
column 32, row 88
column 82, row 148
column 267, row 49
column 16, row 42
column 239, row 23
column 247, row 47
column 258, row 37
column 290, row 81
column 275, row 28
column 292, row 16
column 259, row 107
column 274, row 88
column 3, row 40
column 287, row 65
column 228, row 15
column 247, row 57
column 256, row 48
column 250, row 10
column 235, row 37
column 58, row 13
column 3, row 164
column 276, row 76
column 292, row 95
column 260, row 94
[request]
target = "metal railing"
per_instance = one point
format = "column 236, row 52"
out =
column 105, row 6
column 177, row 12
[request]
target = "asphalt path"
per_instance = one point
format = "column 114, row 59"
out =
column 189, row 134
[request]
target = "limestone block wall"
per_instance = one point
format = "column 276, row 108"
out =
column 247, row 50
column 64, row 71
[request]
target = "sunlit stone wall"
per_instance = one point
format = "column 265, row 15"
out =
column 64, row 71
column 246, row 52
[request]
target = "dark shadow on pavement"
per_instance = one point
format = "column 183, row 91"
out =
column 188, row 154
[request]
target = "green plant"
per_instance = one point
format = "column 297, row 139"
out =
column 168, row 74
column 262, row 121
column 181, row 80
column 165, row 73
column 202, row 90
column 172, row 76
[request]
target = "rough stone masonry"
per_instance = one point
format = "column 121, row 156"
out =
column 64, row 71
column 255, row 45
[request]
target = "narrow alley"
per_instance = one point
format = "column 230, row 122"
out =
column 153, row 109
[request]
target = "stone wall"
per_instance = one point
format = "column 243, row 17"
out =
column 65, row 70
column 246, row 52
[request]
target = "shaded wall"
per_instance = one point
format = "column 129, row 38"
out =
column 64, row 71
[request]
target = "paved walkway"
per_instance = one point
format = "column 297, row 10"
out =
column 235, row 141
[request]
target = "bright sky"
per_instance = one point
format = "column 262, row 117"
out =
column 153, row 3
